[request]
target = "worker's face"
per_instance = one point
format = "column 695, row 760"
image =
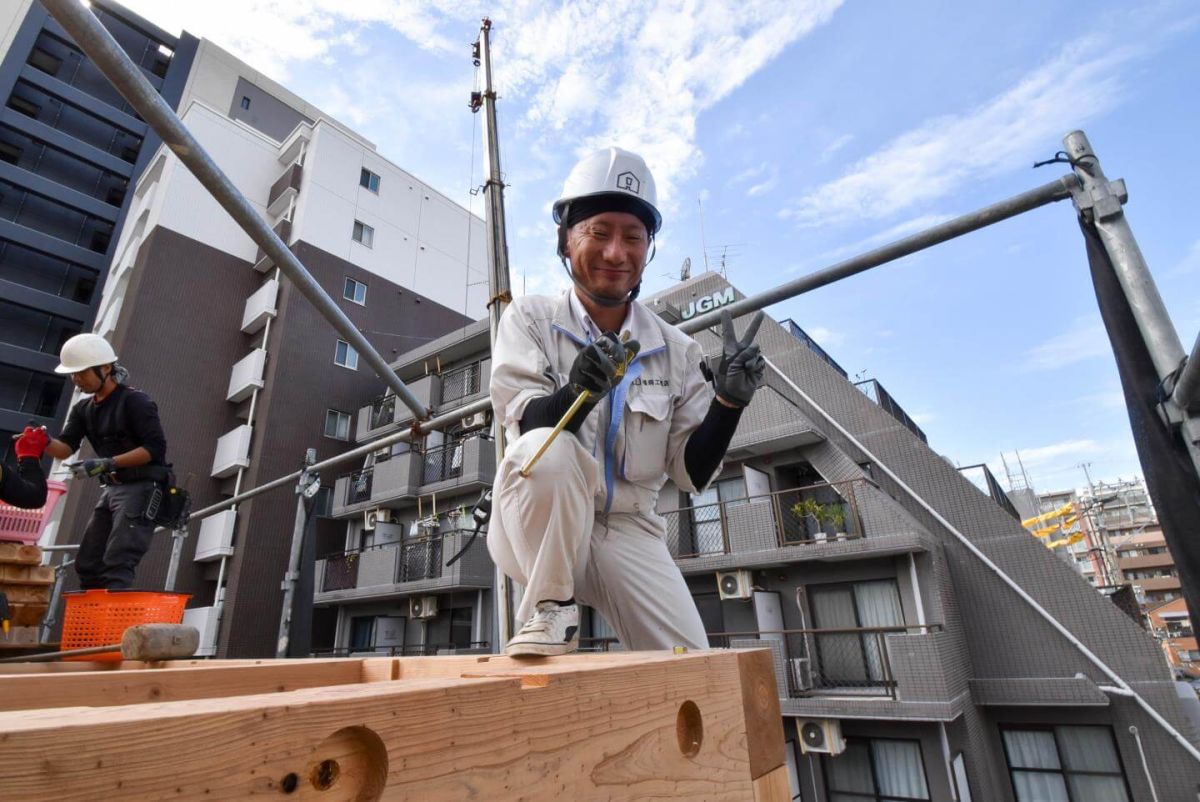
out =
column 87, row 381
column 608, row 253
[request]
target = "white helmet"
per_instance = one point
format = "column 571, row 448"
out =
column 85, row 351
column 610, row 171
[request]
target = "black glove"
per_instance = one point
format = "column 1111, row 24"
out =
column 91, row 468
column 596, row 366
column 741, row 369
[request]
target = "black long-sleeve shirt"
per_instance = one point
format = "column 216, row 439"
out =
column 24, row 487
column 124, row 420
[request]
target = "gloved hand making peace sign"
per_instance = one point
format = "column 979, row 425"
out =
column 741, row 369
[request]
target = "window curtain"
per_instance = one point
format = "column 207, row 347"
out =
column 898, row 769
column 1092, row 749
column 878, row 605
column 706, row 523
column 840, row 656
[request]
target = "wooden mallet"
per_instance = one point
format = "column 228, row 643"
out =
column 144, row 642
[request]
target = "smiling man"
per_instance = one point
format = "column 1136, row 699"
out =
column 581, row 527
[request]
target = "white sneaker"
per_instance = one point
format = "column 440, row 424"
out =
column 552, row 630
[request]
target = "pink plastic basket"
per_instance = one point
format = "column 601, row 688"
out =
column 25, row 526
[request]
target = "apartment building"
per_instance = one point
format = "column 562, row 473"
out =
column 905, row 668
column 1172, row 625
column 247, row 375
column 1147, row 565
column 70, row 149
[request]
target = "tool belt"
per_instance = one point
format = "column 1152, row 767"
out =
column 167, row 505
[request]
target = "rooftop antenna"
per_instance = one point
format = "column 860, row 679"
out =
column 703, row 247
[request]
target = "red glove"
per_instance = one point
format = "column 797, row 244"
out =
column 32, row 442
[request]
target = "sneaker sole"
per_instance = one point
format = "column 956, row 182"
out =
column 540, row 649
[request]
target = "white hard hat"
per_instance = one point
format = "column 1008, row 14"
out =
column 85, row 351
column 612, row 171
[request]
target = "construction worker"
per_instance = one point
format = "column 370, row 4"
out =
column 26, row 486
column 582, row 527
column 122, row 426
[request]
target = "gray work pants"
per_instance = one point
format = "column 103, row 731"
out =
column 116, row 538
column 546, row 534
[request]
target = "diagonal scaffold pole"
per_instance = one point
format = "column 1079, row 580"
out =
column 99, row 45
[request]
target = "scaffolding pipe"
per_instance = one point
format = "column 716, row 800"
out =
column 98, row 44
column 1187, row 386
column 1103, row 201
column 1059, row 189
column 498, row 283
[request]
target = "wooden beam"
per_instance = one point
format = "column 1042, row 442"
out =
column 642, row 726
column 111, row 688
column 773, row 786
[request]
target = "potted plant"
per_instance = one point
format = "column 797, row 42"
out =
column 822, row 514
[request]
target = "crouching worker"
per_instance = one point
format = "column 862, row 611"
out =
column 581, row 527
column 25, row 486
column 122, row 426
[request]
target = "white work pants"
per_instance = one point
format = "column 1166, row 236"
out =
column 546, row 534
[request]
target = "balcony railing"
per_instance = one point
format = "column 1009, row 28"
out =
column 341, row 572
column 410, row 650
column 818, row 513
column 359, row 488
column 443, row 462
column 420, row 559
column 383, row 411
column 459, row 383
column 842, row 662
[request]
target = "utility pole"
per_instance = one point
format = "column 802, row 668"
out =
column 501, row 294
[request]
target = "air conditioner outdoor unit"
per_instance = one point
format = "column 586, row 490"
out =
column 820, row 736
column 379, row 515
column 734, row 584
column 476, row 421
column 801, row 668
column 422, row 607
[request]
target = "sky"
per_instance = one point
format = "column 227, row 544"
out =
column 786, row 136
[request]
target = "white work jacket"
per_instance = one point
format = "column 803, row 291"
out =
column 638, row 432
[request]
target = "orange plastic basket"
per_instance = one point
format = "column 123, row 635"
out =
column 100, row 617
column 25, row 526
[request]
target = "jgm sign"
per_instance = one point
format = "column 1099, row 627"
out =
column 708, row 303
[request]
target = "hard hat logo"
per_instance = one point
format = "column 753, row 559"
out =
column 630, row 183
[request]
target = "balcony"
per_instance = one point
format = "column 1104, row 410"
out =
column 886, row 672
column 458, row 466
column 395, row 478
column 464, row 384
column 285, row 188
column 388, row 414
column 260, row 307
column 216, row 536
column 873, row 390
column 814, row 515
column 416, row 565
column 233, row 452
column 263, row 262
column 246, row 376
column 1164, row 560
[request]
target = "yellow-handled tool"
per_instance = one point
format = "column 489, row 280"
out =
column 631, row 352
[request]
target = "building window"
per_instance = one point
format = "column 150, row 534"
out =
column 1071, row 764
column 355, row 291
column 44, row 61
column 337, row 425
column 880, row 769
column 854, row 655
column 369, row 180
column 363, row 233
column 345, row 356
column 245, row 102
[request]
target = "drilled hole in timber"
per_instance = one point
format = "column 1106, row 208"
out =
column 689, row 729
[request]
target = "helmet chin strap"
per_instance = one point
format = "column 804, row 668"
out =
column 608, row 302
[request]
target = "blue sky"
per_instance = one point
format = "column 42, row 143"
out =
column 811, row 131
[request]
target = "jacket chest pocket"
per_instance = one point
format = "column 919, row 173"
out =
column 647, row 426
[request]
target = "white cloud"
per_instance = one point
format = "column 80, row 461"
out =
column 1086, row 339
column 1007, row 132
column 823, row 335
column 888, row 235
column 833, row 147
